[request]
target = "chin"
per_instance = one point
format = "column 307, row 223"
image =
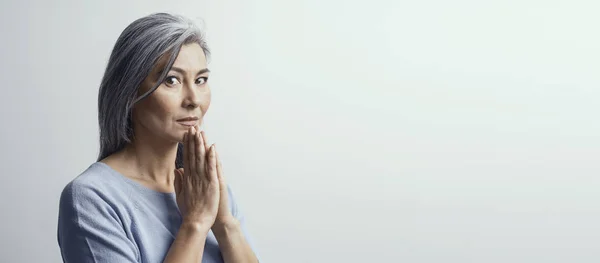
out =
column 179, row 137
column 179, row 132
column 174, row 136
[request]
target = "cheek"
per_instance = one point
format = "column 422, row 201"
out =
column 159, row 110
column 205, row 103
column 165, row 108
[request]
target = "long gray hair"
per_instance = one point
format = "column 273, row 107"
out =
column 136, row 52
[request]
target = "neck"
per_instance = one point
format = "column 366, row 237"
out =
column 151, row 159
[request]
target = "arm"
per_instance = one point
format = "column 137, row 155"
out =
column 188, row 245
column 233, row 244
column 233, row 238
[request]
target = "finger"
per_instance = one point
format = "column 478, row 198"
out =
column 185, row 151
column 200, row 158
column 205, row 141
column 192, row 152
column 219, row 167
column 213, row 165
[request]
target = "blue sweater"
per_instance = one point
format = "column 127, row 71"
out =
column 105, row 217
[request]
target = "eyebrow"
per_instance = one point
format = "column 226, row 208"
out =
column 202, row 71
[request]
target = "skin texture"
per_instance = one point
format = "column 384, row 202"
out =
column 200, row 186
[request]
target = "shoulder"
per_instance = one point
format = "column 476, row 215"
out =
column 96, row 185
column 93, row 198
column 91, row 220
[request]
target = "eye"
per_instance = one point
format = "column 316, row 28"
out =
column 201, row 80
column 171, row 81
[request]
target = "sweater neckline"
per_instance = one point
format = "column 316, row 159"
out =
column 132, row 182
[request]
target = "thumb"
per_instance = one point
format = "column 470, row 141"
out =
column 178, row 180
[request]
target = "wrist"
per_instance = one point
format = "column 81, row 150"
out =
column 222, row 230
column 194, row 227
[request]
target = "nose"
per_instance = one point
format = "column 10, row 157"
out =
column 191, row 96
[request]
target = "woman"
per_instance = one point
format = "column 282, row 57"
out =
column 156, row 192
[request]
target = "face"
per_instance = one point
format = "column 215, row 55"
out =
column 184, row 93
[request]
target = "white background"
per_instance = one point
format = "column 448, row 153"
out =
column 351, row 131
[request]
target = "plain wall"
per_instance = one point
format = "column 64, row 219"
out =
column 351, row 131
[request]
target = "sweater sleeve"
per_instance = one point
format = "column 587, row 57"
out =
column 89, row 228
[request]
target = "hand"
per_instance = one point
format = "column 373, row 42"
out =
column 224, row 216
column 197, row 184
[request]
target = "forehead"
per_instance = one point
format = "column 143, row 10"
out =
column 190, row 58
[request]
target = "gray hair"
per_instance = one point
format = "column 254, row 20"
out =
column 136, row 52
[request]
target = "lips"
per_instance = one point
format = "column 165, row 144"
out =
column 188, row 121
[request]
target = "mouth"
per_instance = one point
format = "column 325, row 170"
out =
column 189, row 121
